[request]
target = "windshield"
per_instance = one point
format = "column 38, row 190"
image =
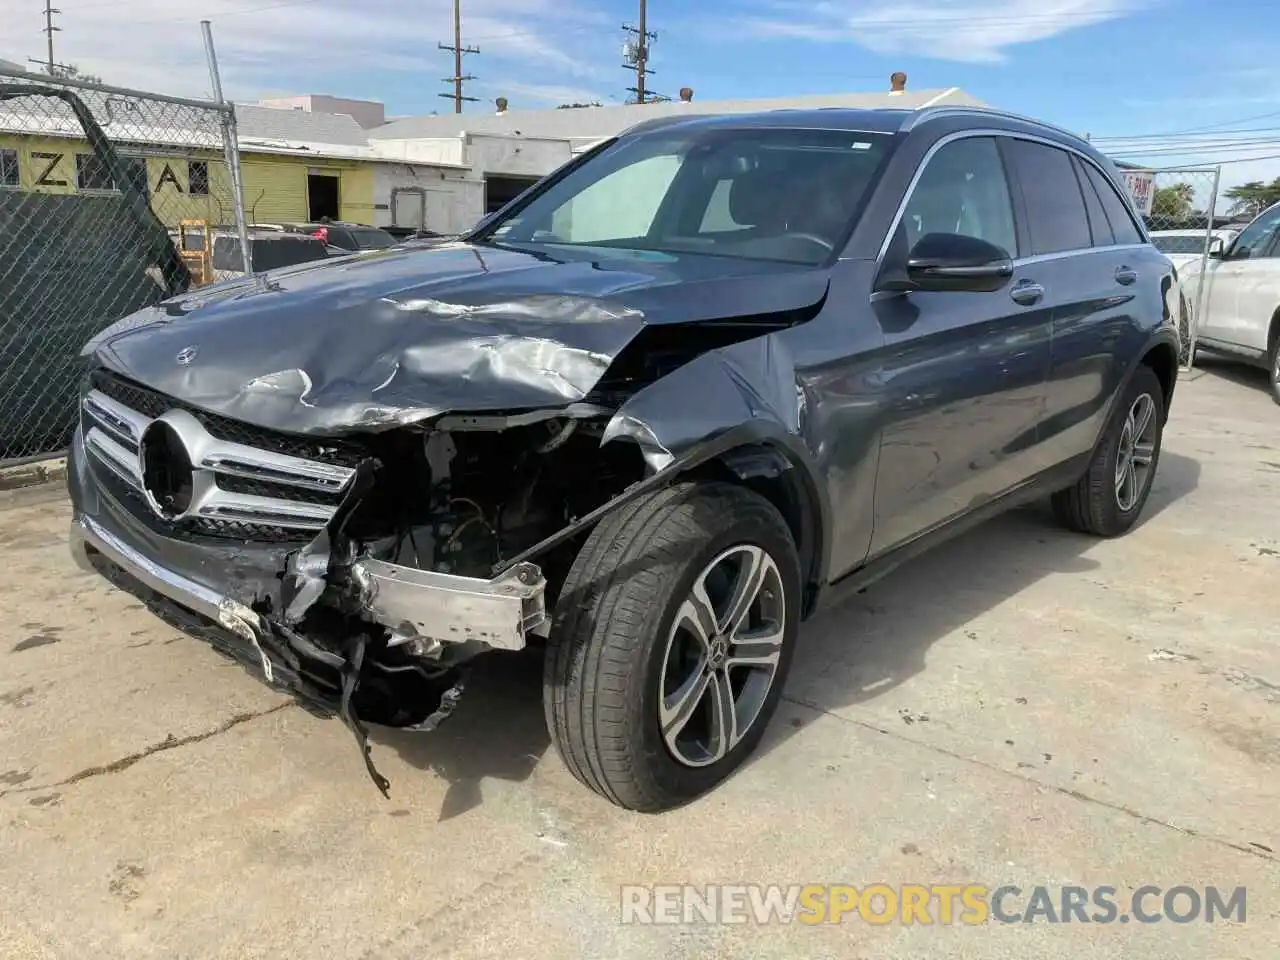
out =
column 1181, row 243
column 764, row 194
column 373, row 239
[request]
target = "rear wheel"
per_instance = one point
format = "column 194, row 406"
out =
column 1273, row 364
column 1107, row 500
column 672, row 639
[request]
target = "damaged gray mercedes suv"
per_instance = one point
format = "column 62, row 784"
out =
column 647, row 416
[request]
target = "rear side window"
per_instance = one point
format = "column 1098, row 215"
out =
column 1122, row 225
column 1056, row 217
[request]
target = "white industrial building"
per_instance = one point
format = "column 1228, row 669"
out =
column 444, row 172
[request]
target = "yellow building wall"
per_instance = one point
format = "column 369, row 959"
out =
column 275, row 186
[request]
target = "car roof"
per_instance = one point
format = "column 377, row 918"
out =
column 880, row 120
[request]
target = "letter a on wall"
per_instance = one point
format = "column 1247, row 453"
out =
column 168, row 177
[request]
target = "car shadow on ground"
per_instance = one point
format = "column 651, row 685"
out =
column 496, row 733
column 1243, row 374
column 881, row 636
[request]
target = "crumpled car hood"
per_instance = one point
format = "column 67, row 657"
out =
column 405, row 335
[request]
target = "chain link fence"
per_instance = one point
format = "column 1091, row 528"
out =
column 1177, row 206
column 98, row 186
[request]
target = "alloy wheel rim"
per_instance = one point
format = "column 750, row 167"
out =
column 1137, row 452
column 722, row 656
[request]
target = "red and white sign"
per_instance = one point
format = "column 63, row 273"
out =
column 1142, row 188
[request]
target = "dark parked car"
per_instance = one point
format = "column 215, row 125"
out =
column 349, row 236
column 652, row 416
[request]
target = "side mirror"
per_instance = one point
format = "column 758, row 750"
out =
column 953, row 262
column 1217, row 249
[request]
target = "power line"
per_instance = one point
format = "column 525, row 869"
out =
column 458, row 50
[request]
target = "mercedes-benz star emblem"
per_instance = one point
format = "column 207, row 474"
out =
column 168, row 478
column 186, row 355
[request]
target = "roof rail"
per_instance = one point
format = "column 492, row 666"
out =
column 925, row 114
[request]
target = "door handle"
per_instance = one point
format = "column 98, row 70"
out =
column 1126, row 275
column 1027, row 292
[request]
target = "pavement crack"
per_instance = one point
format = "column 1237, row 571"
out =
column 168, row 743
column 1251, row 850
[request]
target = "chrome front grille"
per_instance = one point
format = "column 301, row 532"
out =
column 234, row 489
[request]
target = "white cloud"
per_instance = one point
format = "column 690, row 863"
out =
column 962, row 30
column 307, row 46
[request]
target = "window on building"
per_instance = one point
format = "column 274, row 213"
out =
column 198, row 178
column 92, row 173
column 8, row 167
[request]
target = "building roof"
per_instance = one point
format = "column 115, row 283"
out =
column 597, row 123
column 278, row 123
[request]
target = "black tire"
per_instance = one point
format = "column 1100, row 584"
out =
column 1273, row 366
column 608, row 644
column 1184, row 331
column 1092, row 505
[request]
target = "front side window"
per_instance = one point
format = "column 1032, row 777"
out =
column 760, row 193
column 963, row 190
column 1257, row 239
column 1056, row 217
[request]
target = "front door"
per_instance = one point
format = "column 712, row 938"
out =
column 1243, row 286
column 964, row 372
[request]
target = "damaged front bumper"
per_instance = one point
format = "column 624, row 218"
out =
column 402, row 629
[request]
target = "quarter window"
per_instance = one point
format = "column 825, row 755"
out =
column 1118, row 215
column 1258, row 238
column 8, row 167
column 963, row 190
column 1056, row 217
column 1103, row 236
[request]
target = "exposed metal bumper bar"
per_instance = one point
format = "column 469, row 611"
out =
column 439, row 606
column 452, row 609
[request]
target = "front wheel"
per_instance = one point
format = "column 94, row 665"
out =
column 672, row 639
column 1107, row 500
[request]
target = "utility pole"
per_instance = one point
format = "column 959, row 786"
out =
column 458, row 50
column 636, row 53
column 50, row 30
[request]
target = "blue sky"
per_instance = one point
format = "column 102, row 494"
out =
column 1107, row 67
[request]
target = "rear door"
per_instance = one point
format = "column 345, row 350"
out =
column 1101, row 280
column 965, row 371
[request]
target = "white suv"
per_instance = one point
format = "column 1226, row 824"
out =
column 1241, row 313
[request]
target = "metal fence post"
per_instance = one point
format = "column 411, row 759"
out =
column 1204, row 270
column 230, row 146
